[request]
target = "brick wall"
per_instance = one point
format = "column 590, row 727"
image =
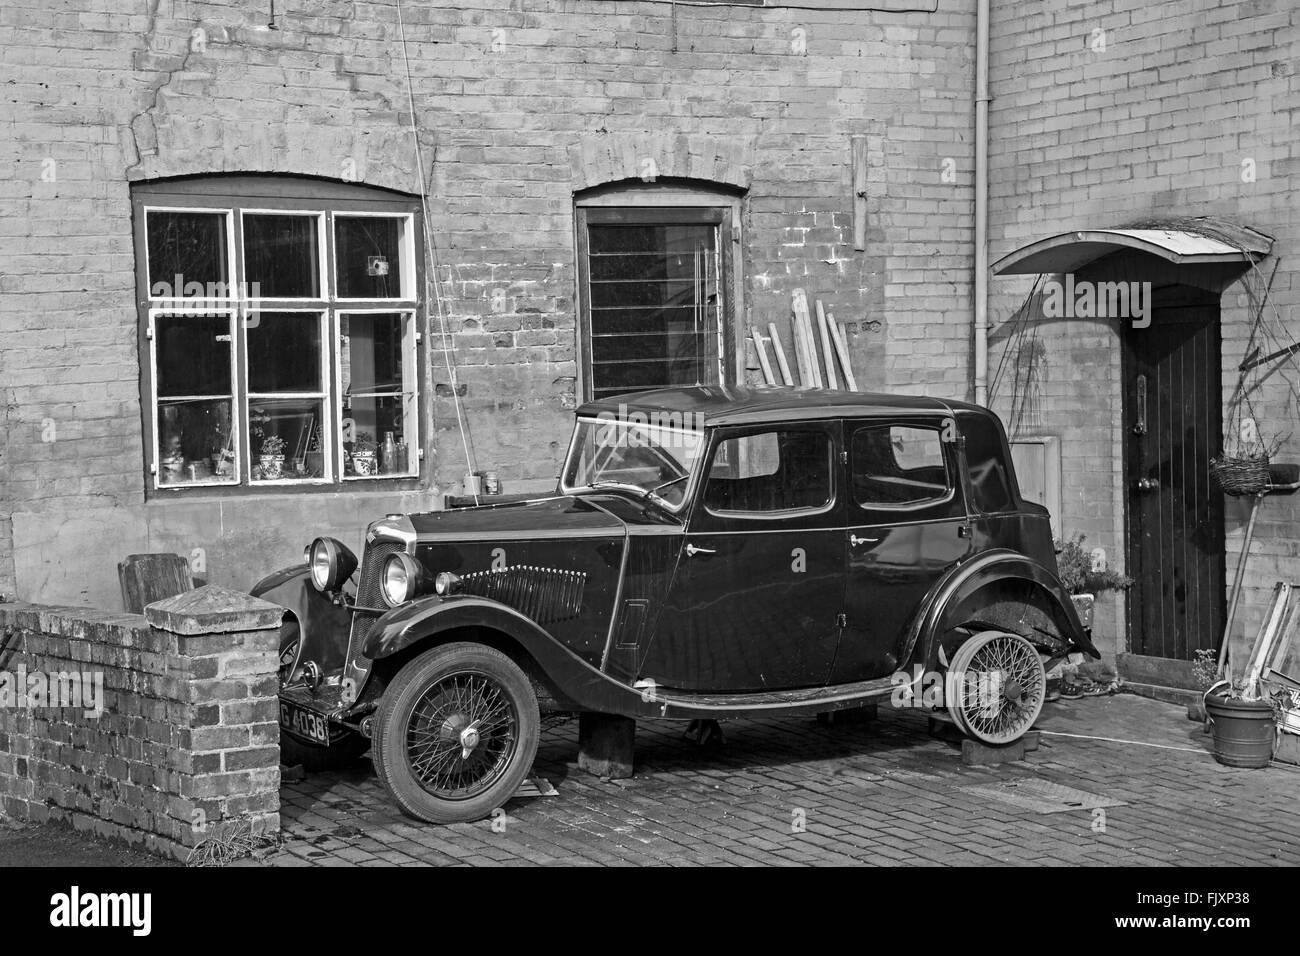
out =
column 187, row 746
column 518, row 105
column 1115, row 111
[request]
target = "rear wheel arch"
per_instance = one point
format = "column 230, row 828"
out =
column 1008, row 598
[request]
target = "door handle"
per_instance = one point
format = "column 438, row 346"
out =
column 692, row 551
column 854, row 540
column 1140, row 426
column 1148, row 484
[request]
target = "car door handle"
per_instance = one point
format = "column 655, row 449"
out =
column 692, row 551
column 854, row 540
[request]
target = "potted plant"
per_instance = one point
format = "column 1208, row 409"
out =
column 1243, row 724
column 271, row 459
column 1081, row 580
column 363, row 454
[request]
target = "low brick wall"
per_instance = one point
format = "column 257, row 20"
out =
column 172, row 734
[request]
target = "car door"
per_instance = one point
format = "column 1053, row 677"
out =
column 906, row 524
column 755, row 602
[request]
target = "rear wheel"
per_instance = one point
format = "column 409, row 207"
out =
column 456, row 733
column 995, row 687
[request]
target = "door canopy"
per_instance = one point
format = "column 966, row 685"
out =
column 1181, row 242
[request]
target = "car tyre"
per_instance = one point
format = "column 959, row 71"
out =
column 995, row 687
column 456, row 733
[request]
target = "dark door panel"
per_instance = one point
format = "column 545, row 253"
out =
column 890, row 569
column 1173, row 423
column 758, row 592
column 758, row 613
column 907, row 524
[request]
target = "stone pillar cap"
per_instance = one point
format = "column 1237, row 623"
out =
column 213, row 609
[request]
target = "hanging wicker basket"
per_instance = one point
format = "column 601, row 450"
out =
column 1241, row 476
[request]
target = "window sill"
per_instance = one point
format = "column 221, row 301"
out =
column 281, row 490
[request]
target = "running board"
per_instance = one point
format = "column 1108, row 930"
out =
column 681, row 704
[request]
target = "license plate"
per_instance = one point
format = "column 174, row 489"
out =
column 304, row 723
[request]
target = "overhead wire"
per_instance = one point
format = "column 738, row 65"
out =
column 431, row 253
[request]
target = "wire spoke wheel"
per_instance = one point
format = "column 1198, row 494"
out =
column 461, row 735
column 456, row 732
column 996, row 686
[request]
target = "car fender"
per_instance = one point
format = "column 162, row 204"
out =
column 933, row 618
column 323, row 626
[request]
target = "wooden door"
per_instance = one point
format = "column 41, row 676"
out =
column 1173, row 426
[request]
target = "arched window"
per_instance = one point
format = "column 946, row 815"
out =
column 656, row 286
column 278, row 333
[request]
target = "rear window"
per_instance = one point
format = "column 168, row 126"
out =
column 990, row 474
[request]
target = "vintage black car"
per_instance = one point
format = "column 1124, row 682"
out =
column 711, row 552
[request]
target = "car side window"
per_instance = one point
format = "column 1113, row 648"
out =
column 898, row 466
column 770, row 473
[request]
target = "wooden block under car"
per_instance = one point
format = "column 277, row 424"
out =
column 977, row 754
column 850, row 715
column 605, row 745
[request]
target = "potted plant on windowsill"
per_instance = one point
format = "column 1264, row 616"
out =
column 1081, row 580
column 271, row 458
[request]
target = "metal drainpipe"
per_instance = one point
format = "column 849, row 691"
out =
column 981, row 202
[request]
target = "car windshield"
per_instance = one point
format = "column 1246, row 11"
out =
column 638, row 455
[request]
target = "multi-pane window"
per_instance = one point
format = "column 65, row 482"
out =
column 654, row 290
column 279, row 332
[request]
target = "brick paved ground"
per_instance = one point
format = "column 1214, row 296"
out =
column 880, row 793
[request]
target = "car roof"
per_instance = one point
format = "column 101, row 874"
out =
column 697, row 406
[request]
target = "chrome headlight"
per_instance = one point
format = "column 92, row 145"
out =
column 403, row 579
column 446, row 583
column 331, row 564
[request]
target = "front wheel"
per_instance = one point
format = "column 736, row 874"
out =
column 456, row 733
column 995, row 687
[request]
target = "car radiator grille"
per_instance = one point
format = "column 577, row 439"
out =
column 543, row 594
column 368, row 592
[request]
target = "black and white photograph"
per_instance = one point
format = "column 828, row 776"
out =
column 650, row 433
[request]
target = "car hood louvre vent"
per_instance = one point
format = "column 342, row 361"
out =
column 543, row 594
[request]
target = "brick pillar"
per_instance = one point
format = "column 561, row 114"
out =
column 226, row 748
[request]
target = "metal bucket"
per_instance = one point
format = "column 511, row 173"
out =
column 1243, row 731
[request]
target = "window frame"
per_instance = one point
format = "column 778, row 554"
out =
column 951, row 467
column 659, row 203
column 323, row 397
column 233, row 397
column 408, row 258
column 322, row 270
column 414, row 443
column 830, row 430
column 235, row 196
